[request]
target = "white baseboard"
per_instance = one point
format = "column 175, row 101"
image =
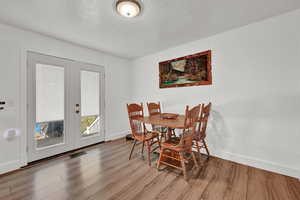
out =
column 114, row 136
column 245, row 160
column 9, row 166
column 261, row 164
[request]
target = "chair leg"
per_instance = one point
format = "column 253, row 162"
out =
column 173, row 132
column 132, row 149
column 159, row 141
column 163, row 136
column 206, row 148
column 160, row 157
column 195, row 160
column 183, row 165
column 149, row 153
column 143, row 148
column 169, row 134
column 198, row 148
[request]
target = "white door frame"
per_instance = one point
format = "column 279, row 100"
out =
column 72, row 138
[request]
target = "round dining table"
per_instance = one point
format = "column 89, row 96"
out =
column 159, row 120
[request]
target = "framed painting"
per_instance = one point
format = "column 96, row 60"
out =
column 192, row 70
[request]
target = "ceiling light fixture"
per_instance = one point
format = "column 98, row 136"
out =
column 128, row 8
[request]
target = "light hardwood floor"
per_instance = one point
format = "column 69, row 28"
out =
column 106, row 173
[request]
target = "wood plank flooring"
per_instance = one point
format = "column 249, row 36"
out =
column 105, row 173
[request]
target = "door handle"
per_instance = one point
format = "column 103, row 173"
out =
column 77, row 108
column 2, row 102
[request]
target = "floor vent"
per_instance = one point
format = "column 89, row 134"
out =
column 75, row 155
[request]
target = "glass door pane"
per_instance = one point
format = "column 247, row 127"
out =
column 50, row 101
column 90, row 93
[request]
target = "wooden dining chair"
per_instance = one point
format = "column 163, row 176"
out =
column 173, row 153
column 155, row 109
column 200, row 134
column 139, row 131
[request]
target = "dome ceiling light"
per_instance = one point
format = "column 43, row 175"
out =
column 128, row 8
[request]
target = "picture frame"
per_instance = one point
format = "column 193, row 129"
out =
column 191, row 70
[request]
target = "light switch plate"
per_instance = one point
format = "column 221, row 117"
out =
column 10, row 103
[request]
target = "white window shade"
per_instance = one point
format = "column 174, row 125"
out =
column 49, row 93
column 90, row 91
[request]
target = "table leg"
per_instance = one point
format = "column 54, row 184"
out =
column 169, row 133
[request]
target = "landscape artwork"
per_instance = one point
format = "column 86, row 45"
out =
column 192, row 70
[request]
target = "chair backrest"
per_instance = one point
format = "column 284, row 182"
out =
column 202, row 121
column 136, row 111
column 191, row 116
column 154, row 108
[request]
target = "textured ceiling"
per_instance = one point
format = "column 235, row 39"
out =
column 163, row 23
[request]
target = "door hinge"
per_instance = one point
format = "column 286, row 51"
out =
column 27, row 149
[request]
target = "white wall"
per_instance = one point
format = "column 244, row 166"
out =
column 255, row 92
column 20, row 41
column 10, row 147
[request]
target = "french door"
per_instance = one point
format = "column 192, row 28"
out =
column 65, row 105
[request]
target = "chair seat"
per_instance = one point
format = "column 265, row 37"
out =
column 148, row 136
column 173, row 144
